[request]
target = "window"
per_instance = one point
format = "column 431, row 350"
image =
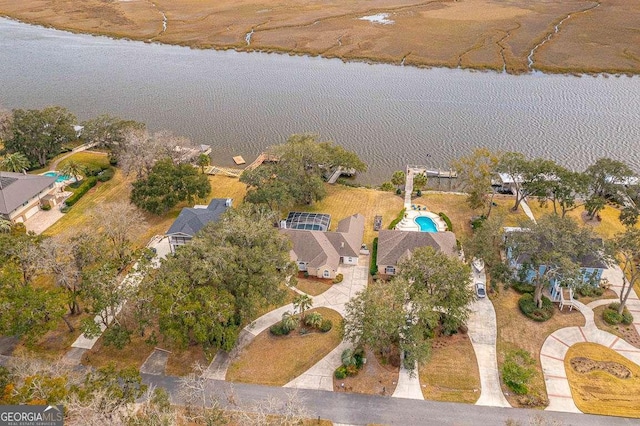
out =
column 390, row 270
column 326, row 274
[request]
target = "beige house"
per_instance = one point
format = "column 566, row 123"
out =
column 21, row 194
column 321, row 252
column 394, row 246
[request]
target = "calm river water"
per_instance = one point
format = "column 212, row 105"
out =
column 240, row 103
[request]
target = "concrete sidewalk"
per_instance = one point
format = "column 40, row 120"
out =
column 408, row 385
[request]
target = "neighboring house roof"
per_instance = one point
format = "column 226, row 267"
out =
column 18, row 188
column 191, row 220
column 590, row 260
column 318, row 248
column 395, row 245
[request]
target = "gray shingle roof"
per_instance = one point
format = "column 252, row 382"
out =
column 18, row 188
column 191, row 220
column 319, row 248
column 394, row 245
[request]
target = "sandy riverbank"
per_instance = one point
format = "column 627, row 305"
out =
column 591, row 37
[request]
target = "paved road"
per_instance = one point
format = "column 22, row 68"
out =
column 357, row 409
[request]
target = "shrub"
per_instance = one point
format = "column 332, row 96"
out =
column 446, row 220
column 92, row 170
column 65, row 209
column 517, row 371
column 588, row 290
column 627, row 318
column 418, row 193
column 387, row 187
column 338, row 279
column 306, row 274
column 313, row 319
column 86, row 185
column 373, row 261
column 477, row 221
column 530, row 309
column 352, row 370
column 523, row 287
column 341, row 372
column 326, row 325
column 397, row 220
column 279, row 329
column 106, row 175
column 611, row 317
column 113, row 160
column 46, row 207
column 398, row 191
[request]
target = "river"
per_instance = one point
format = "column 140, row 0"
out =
column 240, row 103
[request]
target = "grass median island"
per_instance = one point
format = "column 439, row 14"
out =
column 599, row 391
column 516, row 331
column 271, row 360
column 451, row 374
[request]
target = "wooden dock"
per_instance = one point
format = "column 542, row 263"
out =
column 238, row 160
column 226, row 171
column 339, row 172
column 439, row 173
column 262, row 158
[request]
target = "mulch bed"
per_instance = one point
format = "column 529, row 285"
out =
column 586, row 365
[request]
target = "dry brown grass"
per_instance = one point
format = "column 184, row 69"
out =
column 598, row 392
column 374, row 378
column 343, row 201
column 132, row 355
column 473, row 34
column 181, row 361
column 271, row 360
column 53, row 344
column 451, row 374
column 517, row 331
column 313, row 286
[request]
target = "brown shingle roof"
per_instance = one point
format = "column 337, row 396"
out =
column 394, row 245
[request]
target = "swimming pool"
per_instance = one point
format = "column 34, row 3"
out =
column 426, row 224
column 61, row 178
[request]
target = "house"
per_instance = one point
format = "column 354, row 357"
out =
column 394, row 246
column 21, row 194
column 192, row 219
column 591, row 265
column 319, row 253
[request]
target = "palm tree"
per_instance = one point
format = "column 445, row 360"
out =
column 72, row 168
column 203, row 161
column 302, row 303
column 314, row 319
column 16, row 162
column 398, row 178
column 419, row 182
column 290, row 321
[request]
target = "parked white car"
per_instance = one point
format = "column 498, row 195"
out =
column 481, row 290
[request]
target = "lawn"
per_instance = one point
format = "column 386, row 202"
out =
column 599, row 392
column 343, row 201
column 517, row 331
column 313, row 286
column 87, row 159
column 271, row 360
column 451, row 374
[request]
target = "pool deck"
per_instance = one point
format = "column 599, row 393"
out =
column 409, row 223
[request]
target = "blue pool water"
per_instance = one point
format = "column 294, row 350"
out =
column 426, row 224
column 61, row 178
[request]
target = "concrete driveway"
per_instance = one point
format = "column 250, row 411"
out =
column 483, row 332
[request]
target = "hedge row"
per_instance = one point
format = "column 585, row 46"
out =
column 446, row 220
column 397, row 219
column 373, row 262
column 88, row 183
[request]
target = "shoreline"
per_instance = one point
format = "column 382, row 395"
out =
column 345, row 59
